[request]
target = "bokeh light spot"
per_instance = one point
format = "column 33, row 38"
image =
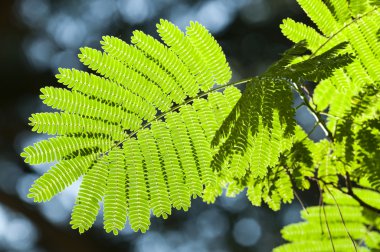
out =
column 152, row 242
column 212, row 223
column 99, row 12
column 38, row 51
column 33, row 12
column 135, row 11
column 21, row 234
column 247, row 232
column 256, row 11
column 214, row 15
column 54, row 211
column 68, row 32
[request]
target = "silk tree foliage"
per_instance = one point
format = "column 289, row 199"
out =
column 155, row 124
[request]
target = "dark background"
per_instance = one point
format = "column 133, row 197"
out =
column 38, row 36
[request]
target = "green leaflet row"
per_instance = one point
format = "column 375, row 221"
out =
column 340, row 225
column 106, row 127
column 350, row 100
column 351, row 95
column 164, row 167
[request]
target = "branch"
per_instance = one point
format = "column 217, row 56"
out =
column 366, row 188
column 351, row 193
column 361, row 202
column 315, row 113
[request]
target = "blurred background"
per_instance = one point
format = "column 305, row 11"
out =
column 38, row 36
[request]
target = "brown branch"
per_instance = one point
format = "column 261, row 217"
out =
column 361, row 202
column 366, row 188
column 351, row 193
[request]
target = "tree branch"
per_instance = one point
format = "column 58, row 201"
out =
column 315, row 113
column 351, row 193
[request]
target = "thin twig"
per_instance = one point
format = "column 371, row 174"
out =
column 300, row 201
column 330, row 115
column 327, row 225
column 315, row 113
column 324, row 212
column 319, row 202
column 340, row 30
column 294, row 188
column 299, row 106
column 353, row 195
column 341, row 217
column 311, row 131
column 299, row 89
column 338, row 118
